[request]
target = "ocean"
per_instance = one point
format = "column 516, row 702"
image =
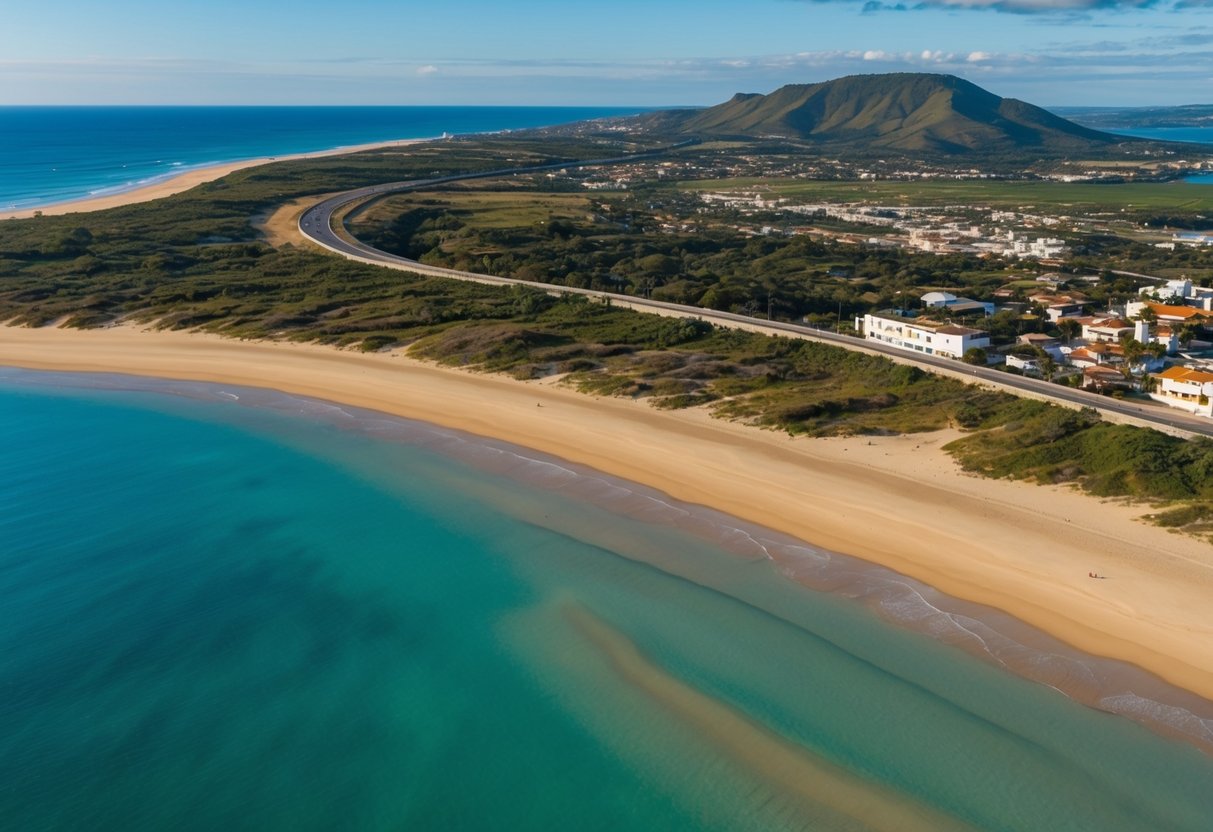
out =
column 55, row 154
column 230, row 608
column 1196, row 135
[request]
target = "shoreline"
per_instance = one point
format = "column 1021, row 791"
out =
column 176, row 183
column 898, row 502
column 994, row 637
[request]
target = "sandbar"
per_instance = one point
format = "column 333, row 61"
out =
column 897, row 501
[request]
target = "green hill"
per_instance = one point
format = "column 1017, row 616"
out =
column 912, row 112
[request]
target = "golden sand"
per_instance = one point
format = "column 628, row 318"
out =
column 183, row 182
column 900, row 502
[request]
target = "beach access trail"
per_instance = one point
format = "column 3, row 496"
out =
column 898, row 501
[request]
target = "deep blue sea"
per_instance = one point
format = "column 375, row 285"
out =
column 53, row 154
column 232, row 609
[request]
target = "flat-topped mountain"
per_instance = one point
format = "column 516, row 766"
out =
column 914, row 112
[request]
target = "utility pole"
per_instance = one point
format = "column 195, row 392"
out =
column 768, row 306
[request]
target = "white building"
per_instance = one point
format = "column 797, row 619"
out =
column 1094, row 355
column 1192, row 238
column 1023, row 363
column 1166, row 313
column 1186, row 389
column 1104, row 329
column 947, row 300
column 1198, row 297
column 1152, row 333
column 922, row 335
column 1043, row 248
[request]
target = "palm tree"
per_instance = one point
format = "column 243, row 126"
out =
column 1134, row 350
column 1187, row 332
column 1147, row 314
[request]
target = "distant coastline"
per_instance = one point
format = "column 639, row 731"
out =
column 176, row 183
column 56, row 156
column 1191, row 135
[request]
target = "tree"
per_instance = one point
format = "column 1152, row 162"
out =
column 659, row 264
column 1048, row 367
column 1070, row 328
column 1147, row 314
column 976, row 356
column 1134, row 350
column 1003, row 324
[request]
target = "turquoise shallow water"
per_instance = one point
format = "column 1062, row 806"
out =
column 296, row 617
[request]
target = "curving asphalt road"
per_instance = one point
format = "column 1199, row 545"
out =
column 317, row 224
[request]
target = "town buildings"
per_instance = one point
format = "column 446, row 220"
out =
column 922, row 335
column 1186, row 389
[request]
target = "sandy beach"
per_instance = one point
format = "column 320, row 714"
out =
column 900, row 502
column 184, row 181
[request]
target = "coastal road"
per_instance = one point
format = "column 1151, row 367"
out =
column 319, row 224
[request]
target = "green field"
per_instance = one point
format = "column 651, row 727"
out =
column 1181, row 197
column 482, row 208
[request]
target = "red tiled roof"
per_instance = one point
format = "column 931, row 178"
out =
column 1178, row 373
column 1184, row 312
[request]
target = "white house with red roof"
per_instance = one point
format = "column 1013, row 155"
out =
column 1185, row 388
column 1095, row 355
column 1103, row 378
column 1104, row 329
column 1166, row 313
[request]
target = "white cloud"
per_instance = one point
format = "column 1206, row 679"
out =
column 1041, row 7
column 1156, row 68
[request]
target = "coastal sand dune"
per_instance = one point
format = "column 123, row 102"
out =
column 899, row 502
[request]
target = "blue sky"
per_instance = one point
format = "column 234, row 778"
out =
column 626, row 52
